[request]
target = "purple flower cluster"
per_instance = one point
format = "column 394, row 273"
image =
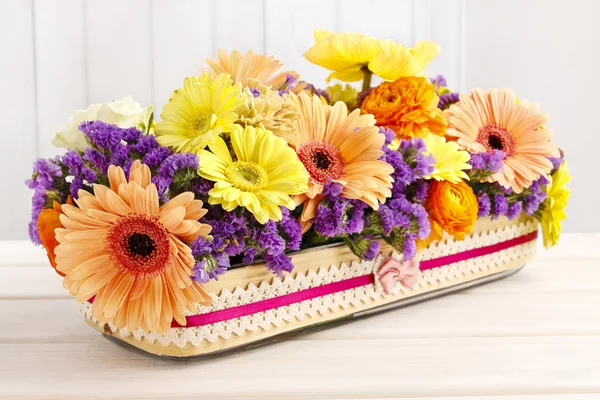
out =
column 111, row 145
column 207, row 266
column 272, row 240
column 291, row 83
column 337, row 216
column 439, row 81
column 178, row 173
column 44, row 181
column 447, row 98
column 237, row 235
column 402, row 219
column 498, row 201
column 485, row 164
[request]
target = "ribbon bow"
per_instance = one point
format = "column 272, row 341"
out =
column 394, row 270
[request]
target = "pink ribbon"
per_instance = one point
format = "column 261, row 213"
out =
column 314, row 292
column 394, row 271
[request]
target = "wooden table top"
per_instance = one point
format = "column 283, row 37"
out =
column 534, row 335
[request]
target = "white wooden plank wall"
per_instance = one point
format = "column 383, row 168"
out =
column 59, row 55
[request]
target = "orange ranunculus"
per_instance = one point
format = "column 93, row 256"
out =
column 408, row 106
column 452, row 207
column 48, row 221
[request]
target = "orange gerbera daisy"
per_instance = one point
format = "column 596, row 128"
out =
column 409, row 106
column 121, row 247
column 248, row 67
column 494, row 120
column 345, row 148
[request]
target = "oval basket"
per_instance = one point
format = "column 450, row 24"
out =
column 330, row 284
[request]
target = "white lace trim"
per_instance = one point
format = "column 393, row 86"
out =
column 347, row 299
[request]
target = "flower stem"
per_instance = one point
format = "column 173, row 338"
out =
column 366, row 79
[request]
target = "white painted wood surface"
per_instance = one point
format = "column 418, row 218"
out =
column 60, row 55
column 531, row 336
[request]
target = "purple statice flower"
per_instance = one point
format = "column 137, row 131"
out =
column 255, row 92
column 337, row 216
column 438, row 81
column 362, row 96
column 514, row 210
column 410, row 246
column 37, row 204
column 250, row 254
column 155, row 157
column 485, row 164
column 557, row 161
column 207, row 266
column 422, row 221
column 269, row 240
column 447, row 99
column 45, row 174
column 119, row 156
column 205, row 270
column 102, row 135
column 536, row 196
column 485, row 205
column 389, row 134
column 176, row 169
column 319, row 92
column 372, row 251
column 291, row 83
column 420, row 190
column 73, row 161
column 278, row 264
column 229, row 232
column 500, row 206
column 144, row 144
column 97, row 160
column 292, row 230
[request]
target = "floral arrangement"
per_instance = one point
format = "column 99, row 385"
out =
column 248, row 163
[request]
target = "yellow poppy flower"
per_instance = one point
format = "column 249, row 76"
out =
column 348, row 55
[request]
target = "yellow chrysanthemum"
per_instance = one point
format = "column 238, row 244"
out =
column 552, row 210
column 450, row 160
column 348, row 54
column 197, row 113
column 346, row 94
column 266, row 108
column 261, row 177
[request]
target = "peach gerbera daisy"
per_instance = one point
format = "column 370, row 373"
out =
column 345, row 148
column 248, row 67
column 121, row 247
column 494, row 120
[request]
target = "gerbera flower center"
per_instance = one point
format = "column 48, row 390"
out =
column 139, row 245
column 322, row 161
column 201, row 124
column 247, row 176
column 495, row 137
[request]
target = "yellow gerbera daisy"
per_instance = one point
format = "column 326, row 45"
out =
column 197, row 113
column 261, row 177
column 450, row 160
column 349, row 54
column 552, row 210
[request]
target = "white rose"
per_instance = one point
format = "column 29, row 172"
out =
column 124, row 113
